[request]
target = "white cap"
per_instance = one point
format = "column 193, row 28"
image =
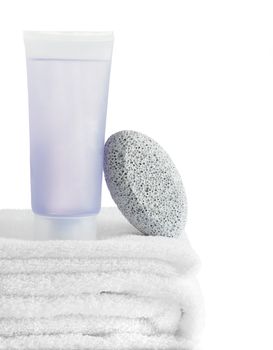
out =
column 24, row 224
column 64, row 228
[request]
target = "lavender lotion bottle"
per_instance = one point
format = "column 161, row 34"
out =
column 68, row 80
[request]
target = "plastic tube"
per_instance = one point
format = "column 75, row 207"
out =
column 68, row 78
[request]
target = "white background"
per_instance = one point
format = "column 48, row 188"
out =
column 197, row 76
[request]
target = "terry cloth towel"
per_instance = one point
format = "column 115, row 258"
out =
column 121, row 291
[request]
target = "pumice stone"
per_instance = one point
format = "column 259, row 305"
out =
column 145, row 184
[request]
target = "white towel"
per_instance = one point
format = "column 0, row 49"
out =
column 86, row 342
column 100, row 294
column 114, row 241
column 164, row 313
column 78, row 265
column 78, row 324
column 90, row 305
column 63, row 284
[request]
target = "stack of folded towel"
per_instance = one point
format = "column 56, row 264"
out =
column 121, row 291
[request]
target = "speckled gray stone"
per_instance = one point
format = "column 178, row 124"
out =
column 145, row 184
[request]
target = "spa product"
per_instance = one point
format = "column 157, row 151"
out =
column 68, row 77
column 145, row 184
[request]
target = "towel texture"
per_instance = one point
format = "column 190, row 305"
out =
column 87, row 342
column 121, row 291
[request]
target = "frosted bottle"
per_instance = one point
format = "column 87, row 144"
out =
column 68, row 80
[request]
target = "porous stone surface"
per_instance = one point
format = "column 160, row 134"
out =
column 145, row 184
